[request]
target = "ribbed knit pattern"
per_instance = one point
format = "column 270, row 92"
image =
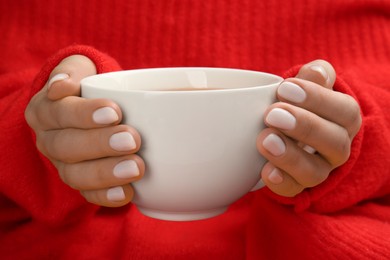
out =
column 267, row 35
column 346, row 217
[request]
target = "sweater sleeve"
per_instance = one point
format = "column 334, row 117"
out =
column 102, row 61
column 366, row 175
column 30, row 188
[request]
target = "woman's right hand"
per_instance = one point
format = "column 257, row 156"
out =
column 83, row 138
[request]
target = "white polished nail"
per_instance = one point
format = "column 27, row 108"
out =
column 57, row 77
column 105, row 115
column 291, row 92
column 122, row 141
column 126, row 169
column 280, row 118
column 274, row 144
column 116, row 194
column 275, row 176
column 320, row 70
column 309, row 149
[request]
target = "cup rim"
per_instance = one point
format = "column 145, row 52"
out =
column 88, row 82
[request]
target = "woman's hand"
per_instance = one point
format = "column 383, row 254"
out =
column 83, row 138
column 309, row 132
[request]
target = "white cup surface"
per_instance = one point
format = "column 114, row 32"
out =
column 199, row 146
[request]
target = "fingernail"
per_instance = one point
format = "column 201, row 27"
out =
column 274, row 144
column 291, row 92
column 309, row 149
column 320, row 70
column 105, row 115
column 126, row 169
column 116, row 194
column 280, row 118
column 275, row 176
column 57, row 77
column 122, row 142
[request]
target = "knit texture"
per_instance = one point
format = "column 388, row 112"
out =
column 346, row 217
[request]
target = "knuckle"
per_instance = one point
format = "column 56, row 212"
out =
column 40, row 144
column 100, row 175
column 355, row 118
column 91, row 196
column 316, row 177
column 300, row 175
column 343, row 150
column 309, row 171
column 290, row 189
column 54, row 149
column 65, row 172
column 296, row 190
column 29, row 115
column 32, row 113
column 55, row 115
column 97, row 197
column 310, row 177
column 292, row 158
column 57, row 148
column 306, row 128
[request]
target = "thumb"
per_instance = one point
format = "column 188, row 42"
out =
column 318, row 71
column 65, row 79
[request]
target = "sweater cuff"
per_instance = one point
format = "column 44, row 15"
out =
column 103, row 63
column 312, row 198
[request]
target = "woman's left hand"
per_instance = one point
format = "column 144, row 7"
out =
column 309, row 132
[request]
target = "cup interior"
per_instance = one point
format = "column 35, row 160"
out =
column 176, row 79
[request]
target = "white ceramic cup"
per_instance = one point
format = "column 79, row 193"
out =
column 199, row 146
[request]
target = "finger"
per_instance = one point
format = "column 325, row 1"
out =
column 329, row 139
column 308, row 170
column 65, row 79
column 318, row 71
column 76, row 112
column 75, row 145
column 102, row 173
column 334, row 106
column 280, row 182
column 111, row 197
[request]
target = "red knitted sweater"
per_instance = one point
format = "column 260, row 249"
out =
column 346, row 217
